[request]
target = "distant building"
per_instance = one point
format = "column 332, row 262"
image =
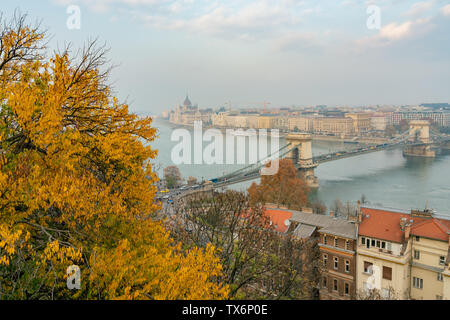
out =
column 436, row 105
column 266, row 121
column 361, row 121
column 441, row 118
column 335, row 126
column 379, row 121
column 300, row 124
column 187, row 114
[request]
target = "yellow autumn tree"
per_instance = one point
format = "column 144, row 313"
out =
column 76, row 184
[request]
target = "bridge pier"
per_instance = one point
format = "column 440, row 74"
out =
column 419, row 131
column 302, row 157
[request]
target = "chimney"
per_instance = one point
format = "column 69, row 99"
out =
column 358, row 211
column 407, row 231
column 402, row 223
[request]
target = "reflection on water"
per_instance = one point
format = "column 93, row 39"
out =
column 386, row 178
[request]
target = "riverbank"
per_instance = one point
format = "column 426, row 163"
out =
column 318, row 137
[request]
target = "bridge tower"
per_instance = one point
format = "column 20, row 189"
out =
column 302, row 157
column 419, row 131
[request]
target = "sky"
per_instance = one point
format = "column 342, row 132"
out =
column 286, row 52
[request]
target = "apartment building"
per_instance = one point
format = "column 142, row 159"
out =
column 361, row 121
column 336, row 126
column 383, row 253
column 379, row 121
column 441, row 118
column 266, row 122
column 337, row 244
column 404, row 255
column 430, row 273
column 300, row 124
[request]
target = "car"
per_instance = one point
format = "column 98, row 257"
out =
column 166, row 197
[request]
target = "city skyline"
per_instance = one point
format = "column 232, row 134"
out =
column 288, row 52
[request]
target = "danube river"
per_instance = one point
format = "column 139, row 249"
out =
column 386, row 178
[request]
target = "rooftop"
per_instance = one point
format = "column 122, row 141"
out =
column 385, row 224
column 310, row 222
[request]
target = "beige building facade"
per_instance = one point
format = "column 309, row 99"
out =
column 361, row 121
column 403, row 255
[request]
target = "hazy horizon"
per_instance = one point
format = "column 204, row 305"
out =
column 288, row 52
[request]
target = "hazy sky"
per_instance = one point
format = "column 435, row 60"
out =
column 286, row 52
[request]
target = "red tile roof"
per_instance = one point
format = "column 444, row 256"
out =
column 433, row 228
column 279, row 218
column 382, row 224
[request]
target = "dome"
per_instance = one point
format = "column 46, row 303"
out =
column 187, row 102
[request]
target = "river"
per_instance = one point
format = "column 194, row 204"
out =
column 386, row 178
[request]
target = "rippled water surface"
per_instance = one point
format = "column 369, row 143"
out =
column 386, row 177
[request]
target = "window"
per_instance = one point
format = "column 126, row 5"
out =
column 389, row 246
column 325, row 239
column 378, row 244
column 416, row 254
column 441, row 260
column 387, row 273
column 324, row 282
column 368, row 244
column 325, row 259
column 347, row 245
column 335, row 242
column 440, row 277
column 417, row 283
column 373, row 243
column 368, row 267
column 363, row 241
column 336, row 263
column 347, row 289
column 335, row 285
column 347, row 266
column 383, row 245
column 417, row 238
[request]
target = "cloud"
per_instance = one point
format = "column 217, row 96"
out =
column 397, row 32
column 419, row 8
column 252, row 20
column 446, row 10
column 240, row 19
